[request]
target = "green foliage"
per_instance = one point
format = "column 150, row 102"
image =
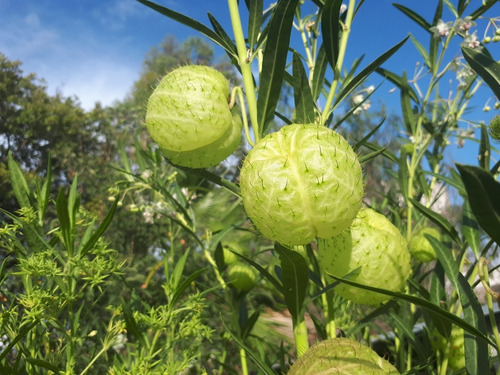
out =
column 174, row 278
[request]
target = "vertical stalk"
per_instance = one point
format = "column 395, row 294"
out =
column 245, row 64
column 243, row 359
column 300, row 335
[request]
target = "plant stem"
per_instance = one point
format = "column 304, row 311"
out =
column 300, row 335
column 340, row 61
column 243, row 358
column 244, row 61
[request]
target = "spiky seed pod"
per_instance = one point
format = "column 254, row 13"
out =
column 242, row 276
column 341, row 356
column 211, row 154
column 374, row 245
column 494, row 128
column 188, row 116
column 420, row 247
column 302, row 182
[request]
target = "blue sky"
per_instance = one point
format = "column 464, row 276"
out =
column 94, row 49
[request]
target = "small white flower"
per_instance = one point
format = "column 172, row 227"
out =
column 464, row 25
column 357, row 99
column 442, row 29
column 471, row 41
column 343, row 8
column 146, row 174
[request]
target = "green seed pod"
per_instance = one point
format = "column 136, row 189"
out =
column 211, row 154
column 301, row 182
column 375, row 246
column 341, row 356
column 494, row 128
column 452, row 347
column 189, row 112
column 421, row 248
column 230, row 257
column 242, row 276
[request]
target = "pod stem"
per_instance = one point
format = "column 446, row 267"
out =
column 239, row 92
column 300, row 335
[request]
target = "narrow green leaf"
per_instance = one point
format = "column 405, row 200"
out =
column 219, row 257
column 19, row 184
column 476, row 350
column 437, row 219
column 470, row 229
column 304, row 103
column 262, row 271
column 462, row 4
column 43, row 364
column 330, row 30
column 367, row 157
column 422, row 50
column 43, row 195
column 73, row 203
column 64, row 221
column 406, row 107
column 274, row 61
column 367, row 71
column 176, row 275
column 132, row 326
column 438, row 14
column 252, row 354
column 414, row 17
column 187, row 21
column 249, row 324
column 255, row 11
column 484, row 149
column 424, row 304
column 483, row 192
column 485, row 66
column 367, row 136
column 446, row 260
column 88, row 245
column 387, row 153
column 397, row 80
column 452, row 8
column 403, row 173
column 229, row 45
column 185, row 283
column 295, row 276
column 22, row 332
column 487, row 4
column 318, row 78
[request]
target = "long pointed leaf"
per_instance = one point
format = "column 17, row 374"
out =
column 295, row 275
column 255, row 12
column 415, row 17
column 368, row 70
column 229, row 45
column 483, row 192
column 486, row 67
column 397, row 80
column 187, row 21
column 274, row 61
column 88, row 245
column 18, row 182
column 304, row 103
column 318, row 78
column 438, row 220
column 330, row 30
column 423, row 303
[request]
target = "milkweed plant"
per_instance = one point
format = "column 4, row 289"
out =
column 265, row 181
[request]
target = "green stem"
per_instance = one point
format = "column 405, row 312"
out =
column 328, row 313
column 340, row 61
column 243, row 358
column 300, row 335
column 244, row 61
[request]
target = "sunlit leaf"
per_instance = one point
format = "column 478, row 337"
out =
column 485, row 66
column 274, row 61
column 304, row 103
